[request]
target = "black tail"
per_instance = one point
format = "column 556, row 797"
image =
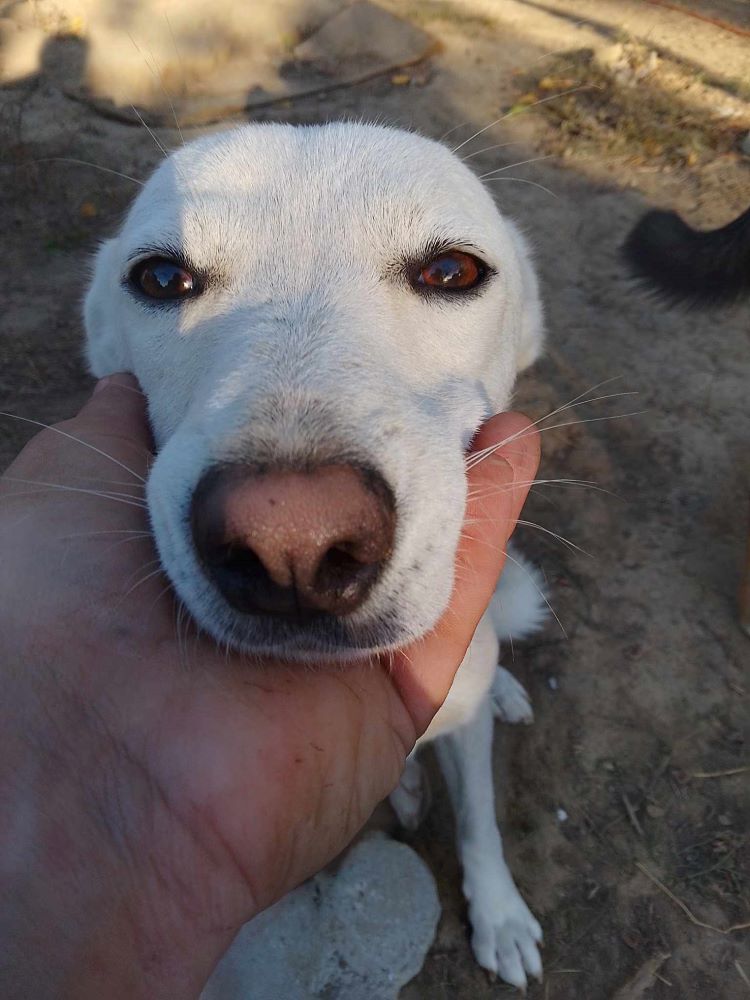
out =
column 687, row 265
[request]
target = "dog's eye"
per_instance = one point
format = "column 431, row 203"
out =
column 452, row 271
column 161, row 278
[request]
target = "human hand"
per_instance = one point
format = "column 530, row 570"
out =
column 155, row 791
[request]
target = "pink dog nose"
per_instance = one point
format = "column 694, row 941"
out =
column 293, row 543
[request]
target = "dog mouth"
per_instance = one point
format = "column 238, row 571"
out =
column 325, row 551
column 288, row 562
column 321, row 639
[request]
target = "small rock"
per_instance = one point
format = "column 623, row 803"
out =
column 562, row 816
column 553, row 683
column 612, row 57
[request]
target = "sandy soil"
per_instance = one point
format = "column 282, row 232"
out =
column 643, row 684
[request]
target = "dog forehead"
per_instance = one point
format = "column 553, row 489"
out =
column 346, row 183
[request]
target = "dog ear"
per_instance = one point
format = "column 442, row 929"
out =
column 106, row 349
column 531, row 338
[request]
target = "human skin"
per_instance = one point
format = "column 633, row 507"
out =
column 155, row 791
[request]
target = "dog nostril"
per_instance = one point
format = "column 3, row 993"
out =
column 342, row 575
column 297, row 544
column 243, row 578
column 236, row 559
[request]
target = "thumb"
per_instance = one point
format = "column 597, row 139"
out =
column 110, row 430
column 117, row 404
column 500, row 467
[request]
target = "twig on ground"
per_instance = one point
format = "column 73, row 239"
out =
column 721, row 774
column 643, row 979
column 743, row 974
column 630, row 810
column 686, row 910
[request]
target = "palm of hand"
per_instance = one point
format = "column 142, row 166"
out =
column 220, row 782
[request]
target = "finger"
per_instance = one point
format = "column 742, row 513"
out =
column 109, row 437
column 117, row 407
column 497, row 488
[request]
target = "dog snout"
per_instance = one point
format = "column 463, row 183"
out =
column 293, row 543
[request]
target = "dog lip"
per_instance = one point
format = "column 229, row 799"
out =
column 313, row 637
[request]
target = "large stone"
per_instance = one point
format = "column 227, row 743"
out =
column 358, row 934
column 364, row 38
column 20, row 50
column 151, row 53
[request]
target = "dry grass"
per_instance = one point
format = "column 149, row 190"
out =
column 631, row 105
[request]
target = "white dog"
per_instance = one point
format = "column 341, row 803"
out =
column 321, row 318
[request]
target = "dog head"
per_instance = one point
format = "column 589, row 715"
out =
column 321, row 318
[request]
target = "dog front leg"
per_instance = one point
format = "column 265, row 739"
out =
column 505, row 935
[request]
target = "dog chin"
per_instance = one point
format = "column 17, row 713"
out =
column 328, row 640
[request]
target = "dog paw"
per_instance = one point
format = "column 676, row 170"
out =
column 506, row 939
column 411, row 797
column 510, row 702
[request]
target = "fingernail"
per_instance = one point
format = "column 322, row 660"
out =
column 102, row 384
column 123, row 379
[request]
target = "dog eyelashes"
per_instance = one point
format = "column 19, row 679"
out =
column 163, row 279
column 452, row 271
column 445, row 269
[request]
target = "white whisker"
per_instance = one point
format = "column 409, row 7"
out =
column 110, row 482
column 539, row 590
column 72, row 437
column 145, row 579
column 156, row 73
column 571, row 405
column 582, row 483
column 87, row 163
column 109, row 531
column 123, row 541
column 487, row 149
column 551, row 427
column 543, row 100
column 178, row 631
column 140, row 118
column 182, row 66
column 450, row 131
column 554, row 534
column 519, row 163
column 556, row 52
column 522, row 180
column 130, row 502
column 161, row 594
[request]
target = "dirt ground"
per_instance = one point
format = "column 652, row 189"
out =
column 633, row 854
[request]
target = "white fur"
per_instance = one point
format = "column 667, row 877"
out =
column 519, row 606
column 308, row 342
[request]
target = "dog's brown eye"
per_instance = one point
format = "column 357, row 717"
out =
column 453, row 270
column 160, row 278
